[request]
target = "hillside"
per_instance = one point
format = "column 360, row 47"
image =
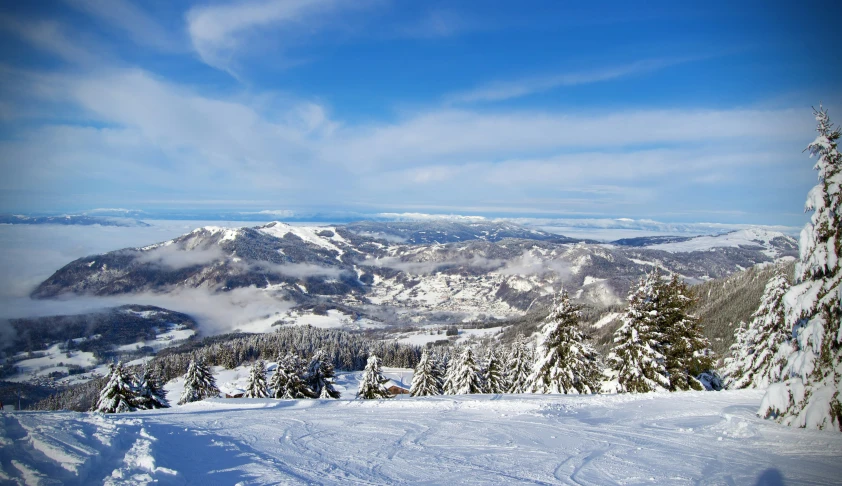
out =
column 403, row 273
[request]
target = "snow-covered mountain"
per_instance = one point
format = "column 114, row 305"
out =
column 454, row 271
column 772, row 243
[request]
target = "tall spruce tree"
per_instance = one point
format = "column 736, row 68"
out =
column 809, row 397
column 466, row 377
column 685, row 349
column 493, row 374
column 288, row 381
column 733, row 365
column 762, row 349
column 150, row 391
column 199, row 383
column 118, row 395
column 425, row 379
column 519, row 366
column 372, row 385
column 256, row 384
column 565, row 363
column 320, row 376
column 634, row 357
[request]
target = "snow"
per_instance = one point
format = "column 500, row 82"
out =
column 53, row 359
column 592, row 280
column 606, row 319
column 655, row 438
column 734, row 239
column 171, row 337
column 306, row 233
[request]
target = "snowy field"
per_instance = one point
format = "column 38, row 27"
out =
column 679, row 438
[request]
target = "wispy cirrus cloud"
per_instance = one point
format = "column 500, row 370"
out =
column 220, row 32
column 141, row 27
column 517, row 88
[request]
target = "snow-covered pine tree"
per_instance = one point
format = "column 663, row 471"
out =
column 465, row 377
column 256, row 384
column 279, row 379
column 519, row 366
column 288, row 382
column 150, row 392
column 685, row 349
column 493, row 375
column 765, row 345
column 639, row 367
column 118, row 395
column 809, row 397
column 199, row 383
column 425, row 381
column 449, row 377
column 733, row 365
column 320, row 375
column 565, row 363
column 373, row 381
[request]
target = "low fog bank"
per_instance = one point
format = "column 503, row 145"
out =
column 30, row 254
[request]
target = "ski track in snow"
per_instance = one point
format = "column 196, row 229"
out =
column 679, row 438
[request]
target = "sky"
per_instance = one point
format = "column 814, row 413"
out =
column 674, row 111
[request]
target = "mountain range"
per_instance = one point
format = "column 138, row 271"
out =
column 411, row 272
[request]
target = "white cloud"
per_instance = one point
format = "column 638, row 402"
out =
column 504, row 90
column 125, row 15
column 218, row 31
column 50, row 37
column 174, row 257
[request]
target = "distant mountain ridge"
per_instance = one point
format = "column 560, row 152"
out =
column 404, row 272
column 71, row 219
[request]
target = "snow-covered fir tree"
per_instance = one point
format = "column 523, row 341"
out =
column 288, row 381
column 320, row 374
column 256, row 385
column 150, row 391
column 809, row 397
column 199, row 383
column 118, row 395
column 685, row 349
column 519, row 366
column 733, row 364
column 762, row 349
column 565, row 362
column 464, row 375
column 638, row 365
column 493, row 374
column 373, row 382
column 425, row 379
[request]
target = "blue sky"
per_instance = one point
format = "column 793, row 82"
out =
column 677, row 111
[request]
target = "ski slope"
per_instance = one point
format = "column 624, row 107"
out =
column 679, row 438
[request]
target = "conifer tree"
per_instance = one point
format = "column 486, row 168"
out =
column 118, row 395
column 519, row 366
column 373, row 381
column 256, row 385
column 809, row 397
column 494, row 376
column 425, row 379
column 464, row 375
column 150, row 391
column 685, row 349
column 733, row 365
column 199, row 383
column 639, row 366
column 288, row 382
column 761, row 350
column 320, row 375
column 565, row 363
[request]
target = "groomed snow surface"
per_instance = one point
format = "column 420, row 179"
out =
column 678, row 438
